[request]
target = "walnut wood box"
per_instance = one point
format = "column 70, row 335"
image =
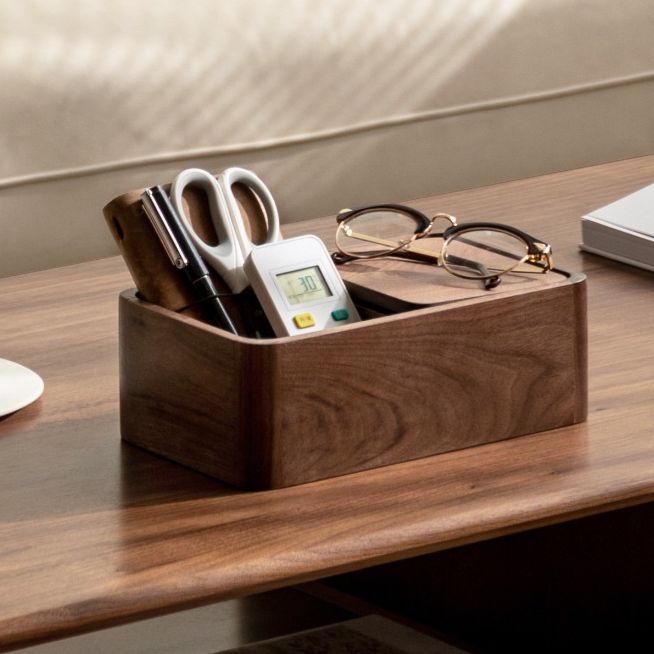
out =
column 272, row 413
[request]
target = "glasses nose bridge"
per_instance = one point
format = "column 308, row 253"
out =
column 441, row 216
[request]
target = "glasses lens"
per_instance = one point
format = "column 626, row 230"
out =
column 374, row 233
column 480, row 253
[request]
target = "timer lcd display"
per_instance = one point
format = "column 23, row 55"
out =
column 304, row 285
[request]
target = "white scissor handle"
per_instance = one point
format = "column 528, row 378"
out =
column 232, row 176
column 225, row 258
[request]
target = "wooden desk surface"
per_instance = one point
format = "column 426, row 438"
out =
column 94, row 532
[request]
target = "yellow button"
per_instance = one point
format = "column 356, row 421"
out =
column 304, row 320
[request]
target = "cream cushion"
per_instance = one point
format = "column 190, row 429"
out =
column 332, row 102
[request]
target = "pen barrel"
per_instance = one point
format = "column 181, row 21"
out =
column 210, row 304
column 184, row 255
column 198, row 273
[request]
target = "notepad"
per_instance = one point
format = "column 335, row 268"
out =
column 623, row 230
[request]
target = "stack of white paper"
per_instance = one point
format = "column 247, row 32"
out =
column 623, row 230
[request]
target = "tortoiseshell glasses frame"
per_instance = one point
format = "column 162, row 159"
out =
column 478, row 250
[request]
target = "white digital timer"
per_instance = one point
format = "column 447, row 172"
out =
column 298, row 286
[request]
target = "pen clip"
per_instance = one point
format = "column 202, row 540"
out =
column 162, row 229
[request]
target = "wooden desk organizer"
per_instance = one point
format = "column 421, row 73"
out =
column 272, row 413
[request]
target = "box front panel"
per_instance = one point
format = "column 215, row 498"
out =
column 429, row 382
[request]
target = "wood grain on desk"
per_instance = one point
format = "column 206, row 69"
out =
column 94, row 532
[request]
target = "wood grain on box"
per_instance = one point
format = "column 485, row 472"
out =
column 279, row 412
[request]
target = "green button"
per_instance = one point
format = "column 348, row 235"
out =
column 340, row 314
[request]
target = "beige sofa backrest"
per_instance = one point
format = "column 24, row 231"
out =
column 332, row 102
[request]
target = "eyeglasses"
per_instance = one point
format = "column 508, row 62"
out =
column 478, row 250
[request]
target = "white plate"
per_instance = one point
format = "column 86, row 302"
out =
column 19, row 386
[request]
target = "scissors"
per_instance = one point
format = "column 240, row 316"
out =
column 234, row 244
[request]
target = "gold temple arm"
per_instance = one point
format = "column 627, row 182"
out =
column 407, row 246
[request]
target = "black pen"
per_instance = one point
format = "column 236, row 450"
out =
column 183, row 255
